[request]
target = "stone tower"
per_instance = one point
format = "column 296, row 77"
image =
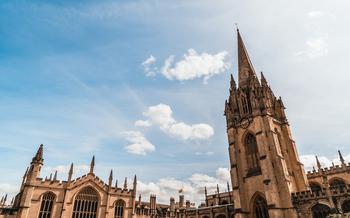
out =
column 265, row 166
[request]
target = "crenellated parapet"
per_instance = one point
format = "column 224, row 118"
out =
column 327, row 171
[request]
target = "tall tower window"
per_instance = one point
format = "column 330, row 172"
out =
column 46, row 205
column 119, row 209
column 86, row 203
column 260, row 208
column 252, row 155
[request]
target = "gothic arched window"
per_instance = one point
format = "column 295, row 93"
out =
column 252, row 155
column 46, row 205
column 337, row 184
column 86, row 203
column 345, row 207
column 260, row 208
column 320, row 211
column 119, row 209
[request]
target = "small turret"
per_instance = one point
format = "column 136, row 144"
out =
column 116, row 183
column 36, row 164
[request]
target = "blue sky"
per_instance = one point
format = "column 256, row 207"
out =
column 72, row 78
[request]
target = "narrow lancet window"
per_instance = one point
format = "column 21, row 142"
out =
column 119, row 209
column 252, row 155
column 46, row 205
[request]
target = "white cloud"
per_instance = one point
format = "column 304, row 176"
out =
column 138, row 143
column 147, row 66
column 143, row 123
column 161, row 115
column 309, row 161
column 194, row 65
column 192, row 187
column 318, row 14
column 314, row 48
column 208, row 153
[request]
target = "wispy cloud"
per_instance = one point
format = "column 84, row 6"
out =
column 314, row 48
column 147, row 66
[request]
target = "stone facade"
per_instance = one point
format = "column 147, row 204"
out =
column 267, row 178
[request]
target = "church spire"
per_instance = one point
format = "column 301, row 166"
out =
column 246, row 72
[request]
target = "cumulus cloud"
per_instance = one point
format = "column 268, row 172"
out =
column 194, row 65
column 138, row 144
column 314, row 48
column 161, row 115
column 147, row 66
column 192, row 187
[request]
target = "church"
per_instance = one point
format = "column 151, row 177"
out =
column 267, row 178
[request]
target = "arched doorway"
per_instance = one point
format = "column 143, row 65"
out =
column 320, row 211
column 260, row 209
column 86, row 203
column 345, row 207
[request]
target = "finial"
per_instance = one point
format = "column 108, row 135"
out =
column 205, row 190
column 228, row 186
column 263, row 79
column 126, row 183
column 70, row 173
column 236, row 24
column 39, row 154
column 135, row 180
column 341, row 158
column 92, row 164
column 318, row 163
column 55, row 176
column 217, row 188
column 110, row 180
column 5, row 199
column 116, row 183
